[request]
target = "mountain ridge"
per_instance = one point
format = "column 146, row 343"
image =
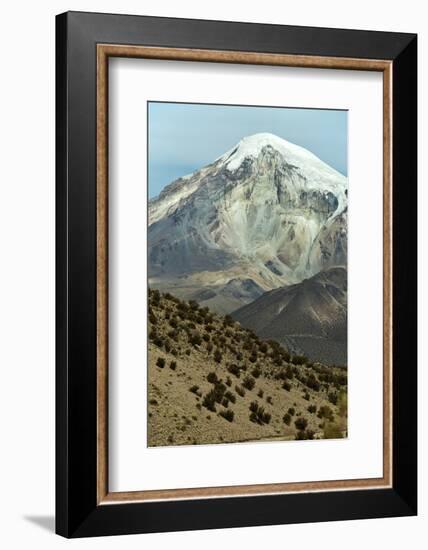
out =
column 309, row 317
column 266, row 211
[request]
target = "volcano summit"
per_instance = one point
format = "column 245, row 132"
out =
column 265, row 214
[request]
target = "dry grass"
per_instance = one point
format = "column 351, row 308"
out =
column 215, row 370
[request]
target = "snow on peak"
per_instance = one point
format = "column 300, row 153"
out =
column 251, row 146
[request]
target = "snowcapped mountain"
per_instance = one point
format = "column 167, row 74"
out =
column 265, row 214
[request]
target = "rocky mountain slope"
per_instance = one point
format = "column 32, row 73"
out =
column 265, row 214
column 309, row 317
column 212, row 381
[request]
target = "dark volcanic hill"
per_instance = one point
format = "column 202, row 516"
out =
column 308, row 318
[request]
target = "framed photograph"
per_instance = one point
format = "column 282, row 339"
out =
column 236, row 274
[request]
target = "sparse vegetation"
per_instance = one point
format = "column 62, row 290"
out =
column 256, row 372
column 305, row 434
column 326, row 412
column 207, row 354
column 258, row 414
column 217, row 356
column 301, row 423
column 249, row 383
column 212, row 377
column 227, row 414
column 160, row 362
column 240, row 390
column 234, row 369
column 333, row 397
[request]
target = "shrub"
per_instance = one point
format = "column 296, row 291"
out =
column 286, row 419
column 187, row 351
column 155, row 297
column 300, row 360
column 260, row 393
column 240, row 390
column 254, row 406
column 291, row 411
column 289, row 372
column 306, row 396
column 225, row 402
column 278, row 360
column 227, row 414
column 263, row 347
column 193, row 305
column 209, row 401
column 173, row 322
column 234, row 369
column 206, row 337
column 258, row 414
column 152, row 319
column 326, row 412
column 249, row 382
column 253, row 418
column 256, row 372
column 194, row 389
column 209, row 347
column 228, row 321
column 158, row 341
column 312, row 409
column 228, row 381
column 217, row 356
column 301, row 423
column 195, row 339
column 219, row 390
column 230, row 396
column 304, row 434
column 173, row 365
column 253, row 357
column 239, row 356
column 160, row 362
column 212, row 377
column 269, row 399
column 173, row 334
column 266, row 418
column 286, row 386
column 313, row 383
column 332, row 397
column 285, row 355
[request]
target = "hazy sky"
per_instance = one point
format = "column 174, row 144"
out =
column 184, row 137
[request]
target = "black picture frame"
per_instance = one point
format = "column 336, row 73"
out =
column 77, row 511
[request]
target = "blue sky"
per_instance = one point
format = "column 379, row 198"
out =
column 184, row 136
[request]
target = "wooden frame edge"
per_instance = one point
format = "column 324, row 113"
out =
column 104, row 51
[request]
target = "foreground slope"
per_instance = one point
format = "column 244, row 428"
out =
column 211, row 381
